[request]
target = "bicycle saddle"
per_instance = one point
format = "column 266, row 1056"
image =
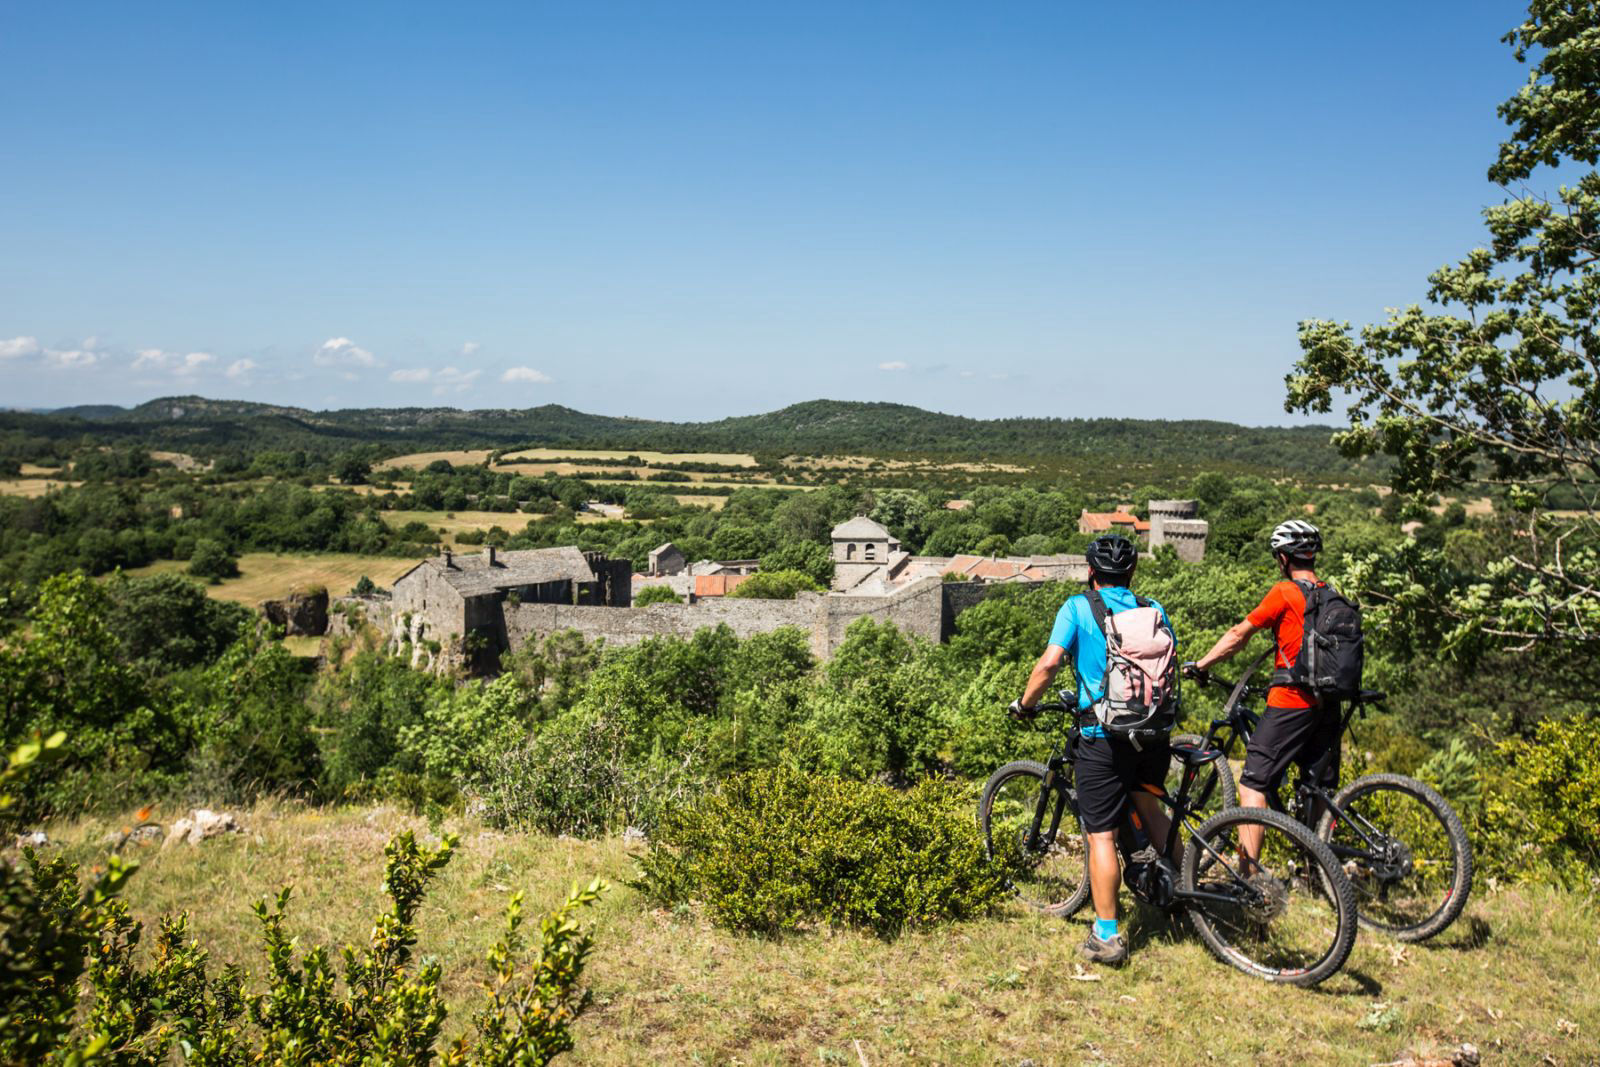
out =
column 1194, row 755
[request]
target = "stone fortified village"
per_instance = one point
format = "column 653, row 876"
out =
column 465, row 610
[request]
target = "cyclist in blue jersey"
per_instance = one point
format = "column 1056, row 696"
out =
column 1111, row 772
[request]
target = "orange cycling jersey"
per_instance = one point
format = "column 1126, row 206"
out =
column 1283, row 610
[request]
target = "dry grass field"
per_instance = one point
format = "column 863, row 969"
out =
column 456, row 522
column 32, row 487
column 419, row 460
column 727, row 459
column 927, row 466
column 268, row 575
column 1515, row 976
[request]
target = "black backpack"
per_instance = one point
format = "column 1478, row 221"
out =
column 1332, row 651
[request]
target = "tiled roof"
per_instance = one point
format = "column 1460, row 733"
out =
column 1107, row 520
column 472, row 575
column 860, row 528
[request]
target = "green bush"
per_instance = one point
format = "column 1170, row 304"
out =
column 773, row 850
column 776, row 585
column 1541, row 806
column 577, row 776
column 656, row 594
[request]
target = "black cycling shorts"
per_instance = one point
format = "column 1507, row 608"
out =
column 1292, row 735
column 1107, row 770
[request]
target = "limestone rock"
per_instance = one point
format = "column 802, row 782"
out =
column 300, row 614
column 33, row 839
column 201, row 824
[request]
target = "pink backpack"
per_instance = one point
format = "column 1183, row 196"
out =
column 1141, row 689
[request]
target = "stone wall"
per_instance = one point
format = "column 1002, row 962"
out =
column 629, row 626
column 926, row 608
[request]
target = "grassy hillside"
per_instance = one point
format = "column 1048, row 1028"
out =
column 199, row 425
column 1510, row 977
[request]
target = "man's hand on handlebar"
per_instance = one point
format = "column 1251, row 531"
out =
column 1192, row 670
column 1021, row 712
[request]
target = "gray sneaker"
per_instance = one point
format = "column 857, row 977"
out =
column 1112, row 950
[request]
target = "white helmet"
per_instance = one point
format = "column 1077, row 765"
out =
column 1296, row 538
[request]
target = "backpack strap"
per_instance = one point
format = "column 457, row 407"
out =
column 1097, row 608
column 1313, row 601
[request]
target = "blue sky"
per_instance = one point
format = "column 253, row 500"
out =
column 688, row 211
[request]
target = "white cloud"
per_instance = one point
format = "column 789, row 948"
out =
column 72, row 357
column 240, row 368
column 183, row 366
column 341, row 351
column 469, row 347
column 969, row 374
column 895, row 364
column 414, row 374
column 526, row 374
column 87, row 355
column 19, row 346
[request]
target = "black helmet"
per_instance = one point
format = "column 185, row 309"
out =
column 1112, row 555
column 1296, row 538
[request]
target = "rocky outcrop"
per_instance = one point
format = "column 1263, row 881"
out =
column 199, row 825
column 301, row 614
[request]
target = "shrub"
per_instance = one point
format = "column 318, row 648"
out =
column 157, row 1007
column 362, row 712
column 1540, row 809
column 656, row 594
column 576, row 776
column 776, row 585
column 772, row 850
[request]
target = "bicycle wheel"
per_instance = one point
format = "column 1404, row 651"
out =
column 1213, row 788
column 1277, row 921
column 1050, row 872
column 1405, row 852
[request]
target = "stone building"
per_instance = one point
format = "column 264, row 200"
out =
column 861, row 548
column 1178, row 523
column 666, row 559
column 437, row 604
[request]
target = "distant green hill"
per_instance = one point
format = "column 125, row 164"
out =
column 201, row 425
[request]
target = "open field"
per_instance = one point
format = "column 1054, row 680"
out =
column 727, row 459
column 1514, row 977
column 458, row 521
column 931, row 466
column 418, row 460
column 267, row 575
column 364, row 490
column 32, row 487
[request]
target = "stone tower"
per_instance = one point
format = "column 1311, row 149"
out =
column 1177, row 523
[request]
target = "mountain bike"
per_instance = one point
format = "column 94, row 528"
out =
column 1399, row 842
column 1288, row 916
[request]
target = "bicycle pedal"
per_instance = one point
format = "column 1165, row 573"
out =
column 1147, row 854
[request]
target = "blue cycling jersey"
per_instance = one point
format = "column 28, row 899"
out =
column 1076, row 634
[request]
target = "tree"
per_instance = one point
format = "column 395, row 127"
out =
column 809, row 557
column 1500, row 382
column 776, row 585
column 168, row 623
column 353, row 469
column 211, row 560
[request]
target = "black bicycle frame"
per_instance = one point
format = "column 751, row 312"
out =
column 1241, row 723
column 1178, row 807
